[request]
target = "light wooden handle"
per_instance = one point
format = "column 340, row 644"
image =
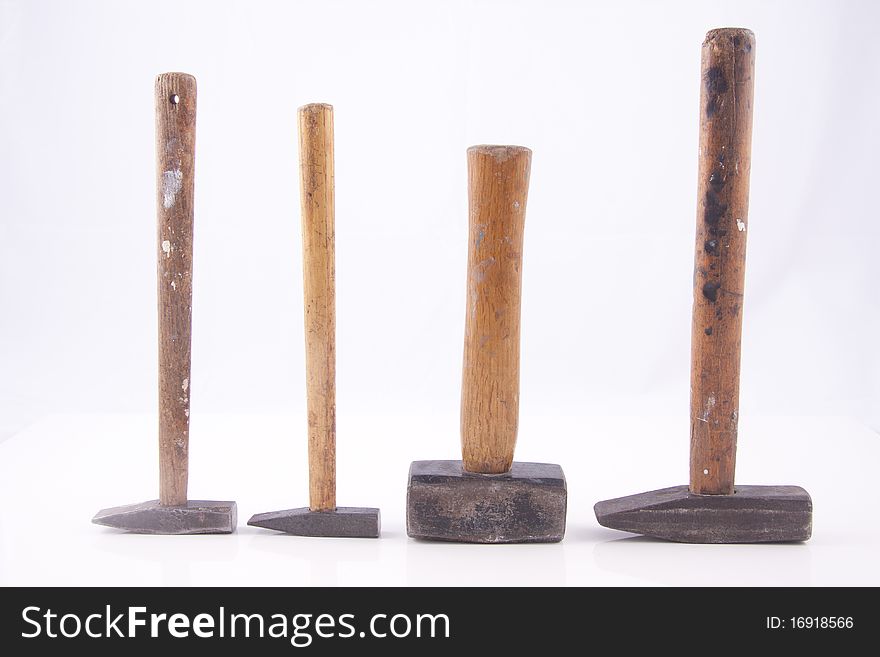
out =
column 175, row 151
column 319, row 278
column 498, row 187
column 728, row 67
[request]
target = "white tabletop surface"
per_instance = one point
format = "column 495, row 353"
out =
column 56, row 473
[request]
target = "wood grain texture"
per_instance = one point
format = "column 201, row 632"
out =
column 319, row 278
column 498, row 185
column 175, row 151
column 728, row 65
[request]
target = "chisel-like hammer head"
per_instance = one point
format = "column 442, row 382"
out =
column 753, row 514
column 194, row 517
column 342, row 522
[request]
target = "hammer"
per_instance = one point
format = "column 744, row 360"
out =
column 322, row 517
column 487, row 497
column 712, row 509
column 172, row 513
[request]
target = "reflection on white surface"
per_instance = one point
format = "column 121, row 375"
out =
column 443, row 564
column 316, row 561
column 650, row 561
column 163, row 561
column 55, row 475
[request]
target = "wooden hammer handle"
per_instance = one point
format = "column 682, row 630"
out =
column 728, row 66
column 175, row 150
column 319, row 279
column 498, row 186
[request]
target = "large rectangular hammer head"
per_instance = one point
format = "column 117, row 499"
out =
column 342, row 522
column 525, row 505
column 194, row 517
column 753, row 514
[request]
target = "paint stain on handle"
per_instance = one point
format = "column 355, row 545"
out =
column 172, row 182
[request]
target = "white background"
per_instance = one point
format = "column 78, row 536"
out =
column 606, row 96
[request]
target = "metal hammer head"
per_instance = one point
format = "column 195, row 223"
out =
column 194, row 517
column 525, row 505
column 753, row 514
column 342, row 522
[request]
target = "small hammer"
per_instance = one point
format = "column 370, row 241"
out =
column 322, row 517
column 487, row 497
column 712, row 509
column 172, row 513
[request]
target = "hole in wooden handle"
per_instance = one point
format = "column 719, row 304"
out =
column 174, row 99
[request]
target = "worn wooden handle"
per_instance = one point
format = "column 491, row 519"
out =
column 318, row 217
column 498, row 187
column 175, row 150
column 728, row 67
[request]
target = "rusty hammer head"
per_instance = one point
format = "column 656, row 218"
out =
column 527, row 504
column 341, row 522
column 192, row 517
column 753, row 514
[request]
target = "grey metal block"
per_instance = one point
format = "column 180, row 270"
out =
column 196, row 517
column 344, row 522
column 525, row 505
column 753, row 514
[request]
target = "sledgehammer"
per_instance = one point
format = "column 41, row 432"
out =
column 712, row 509
column 487, row 497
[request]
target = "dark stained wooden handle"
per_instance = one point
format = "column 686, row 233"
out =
column 498, row 186
column 728, row 67
column 319, row 280
column 175, row 149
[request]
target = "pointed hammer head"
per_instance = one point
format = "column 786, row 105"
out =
column 194, row 517
column 753, row 514
column 342, row 522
